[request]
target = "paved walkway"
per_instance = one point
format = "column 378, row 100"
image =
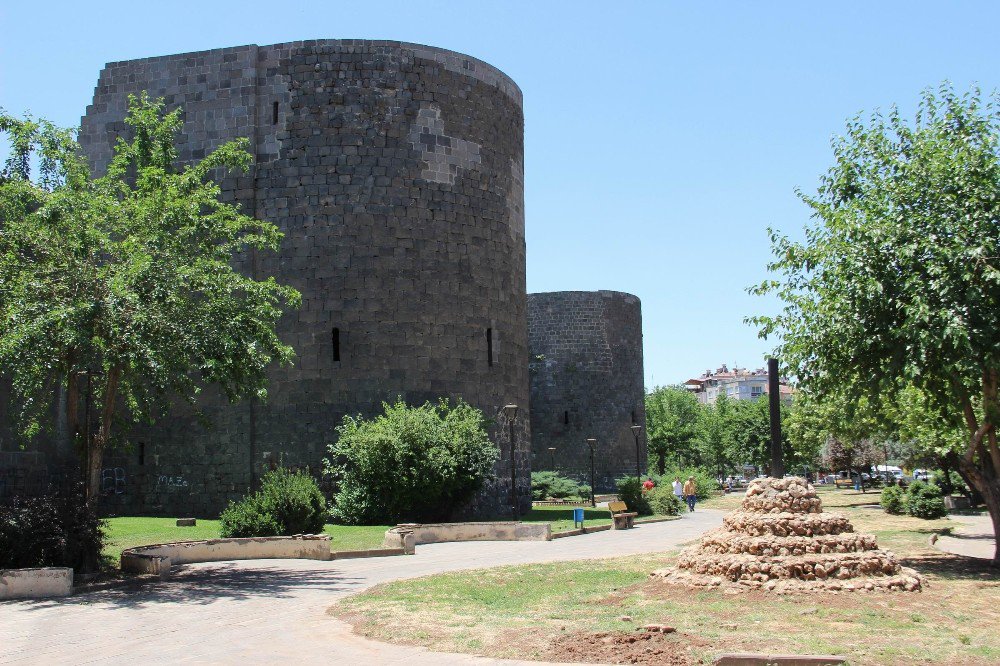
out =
column 973, row 537
column 269, row 611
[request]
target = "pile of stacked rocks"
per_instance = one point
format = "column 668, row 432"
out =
column 780, row 539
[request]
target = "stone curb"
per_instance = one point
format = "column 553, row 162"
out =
column 604, row 528
column 372, row 552
column 581, row 530
column 662, row 519
column 750, row 659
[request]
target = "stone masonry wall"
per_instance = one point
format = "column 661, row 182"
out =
column 396, row 173
column 586, row 381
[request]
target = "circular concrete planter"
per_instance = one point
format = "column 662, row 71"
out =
column 157, row 559
column 408, row 535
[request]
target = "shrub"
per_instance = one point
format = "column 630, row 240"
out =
column 924, row 500
column 958, row 485
column 663, row 501
column 287, row 503
column 409, row 463
column 630, row 492
column 551, row 484
column 893, row 500
column 57, row 529
column 706, row 485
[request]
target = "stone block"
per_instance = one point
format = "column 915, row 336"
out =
column 36, row 583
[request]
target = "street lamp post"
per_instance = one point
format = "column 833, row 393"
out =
column 636, row 429
column 552, row 457
column 510, row 413
column 592, row 443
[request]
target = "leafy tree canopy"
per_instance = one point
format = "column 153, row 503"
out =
column 897, row 280
column 122, row 289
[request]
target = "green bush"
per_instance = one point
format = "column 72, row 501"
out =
column 893, row 500
column 924, row 500
column 551, row 484
column 410, row 463
column 287, row 503
column 630, row 492
column 958, row 485
column 58, row 529
column 706, row 485
column 663, row 501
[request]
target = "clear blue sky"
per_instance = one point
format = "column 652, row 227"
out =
column 662, row 138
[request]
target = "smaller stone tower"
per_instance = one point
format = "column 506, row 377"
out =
column 585, row 365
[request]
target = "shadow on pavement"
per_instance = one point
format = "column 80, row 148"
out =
column 953, row 567
column 205, row 585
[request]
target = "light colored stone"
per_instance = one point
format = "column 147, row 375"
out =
column 157, row 559
column 36, row 583
column 476, row 531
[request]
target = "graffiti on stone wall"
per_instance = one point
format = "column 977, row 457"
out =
column 113, row 481
column 165, row 482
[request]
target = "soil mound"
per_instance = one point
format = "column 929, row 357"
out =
column 780, row 539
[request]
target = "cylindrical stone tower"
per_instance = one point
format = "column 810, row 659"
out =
column 586, row 382
column 395, row 172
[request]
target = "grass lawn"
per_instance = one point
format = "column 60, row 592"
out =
column 562, row 517
column 535, row 611
column 355, row 537
column 129, row 532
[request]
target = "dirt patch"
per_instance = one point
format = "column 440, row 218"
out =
column 626, row 647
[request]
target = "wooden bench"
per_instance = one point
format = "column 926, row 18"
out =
column 623, row 518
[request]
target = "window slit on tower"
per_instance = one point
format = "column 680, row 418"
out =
column 336, row 344
column 489, row 346
column 566, row 418
column 274, row 114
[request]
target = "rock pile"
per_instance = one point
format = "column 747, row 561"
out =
column 780, row 539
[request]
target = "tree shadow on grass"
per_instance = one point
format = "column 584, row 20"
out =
column 953, row 567
column 206, row 584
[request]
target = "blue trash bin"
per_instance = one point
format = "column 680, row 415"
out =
column 577, row 517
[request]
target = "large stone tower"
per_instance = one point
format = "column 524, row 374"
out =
column 396, row 173
column 586, row 382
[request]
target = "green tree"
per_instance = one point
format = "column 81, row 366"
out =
column 120, row 291
column 751, row 440
column 847, row 434
column 672, row 425
column 409, row 463
column 719, row 434
column 896, row 282
column 926, row 436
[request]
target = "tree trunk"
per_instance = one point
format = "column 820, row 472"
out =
column 96, row 443
column 661, row 462
column 946, row 486
column 989, row 487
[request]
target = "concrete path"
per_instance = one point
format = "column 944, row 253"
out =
column 269, row 611
column 972, row 537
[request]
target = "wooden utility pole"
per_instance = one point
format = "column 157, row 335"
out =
column 774, row 403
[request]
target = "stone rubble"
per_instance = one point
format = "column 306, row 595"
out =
column 781, row 540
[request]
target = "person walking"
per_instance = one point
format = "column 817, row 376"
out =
column 648, row 485
column 678, row 488
column 690, row 493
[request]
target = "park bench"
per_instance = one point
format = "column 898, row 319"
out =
column 621, row 516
